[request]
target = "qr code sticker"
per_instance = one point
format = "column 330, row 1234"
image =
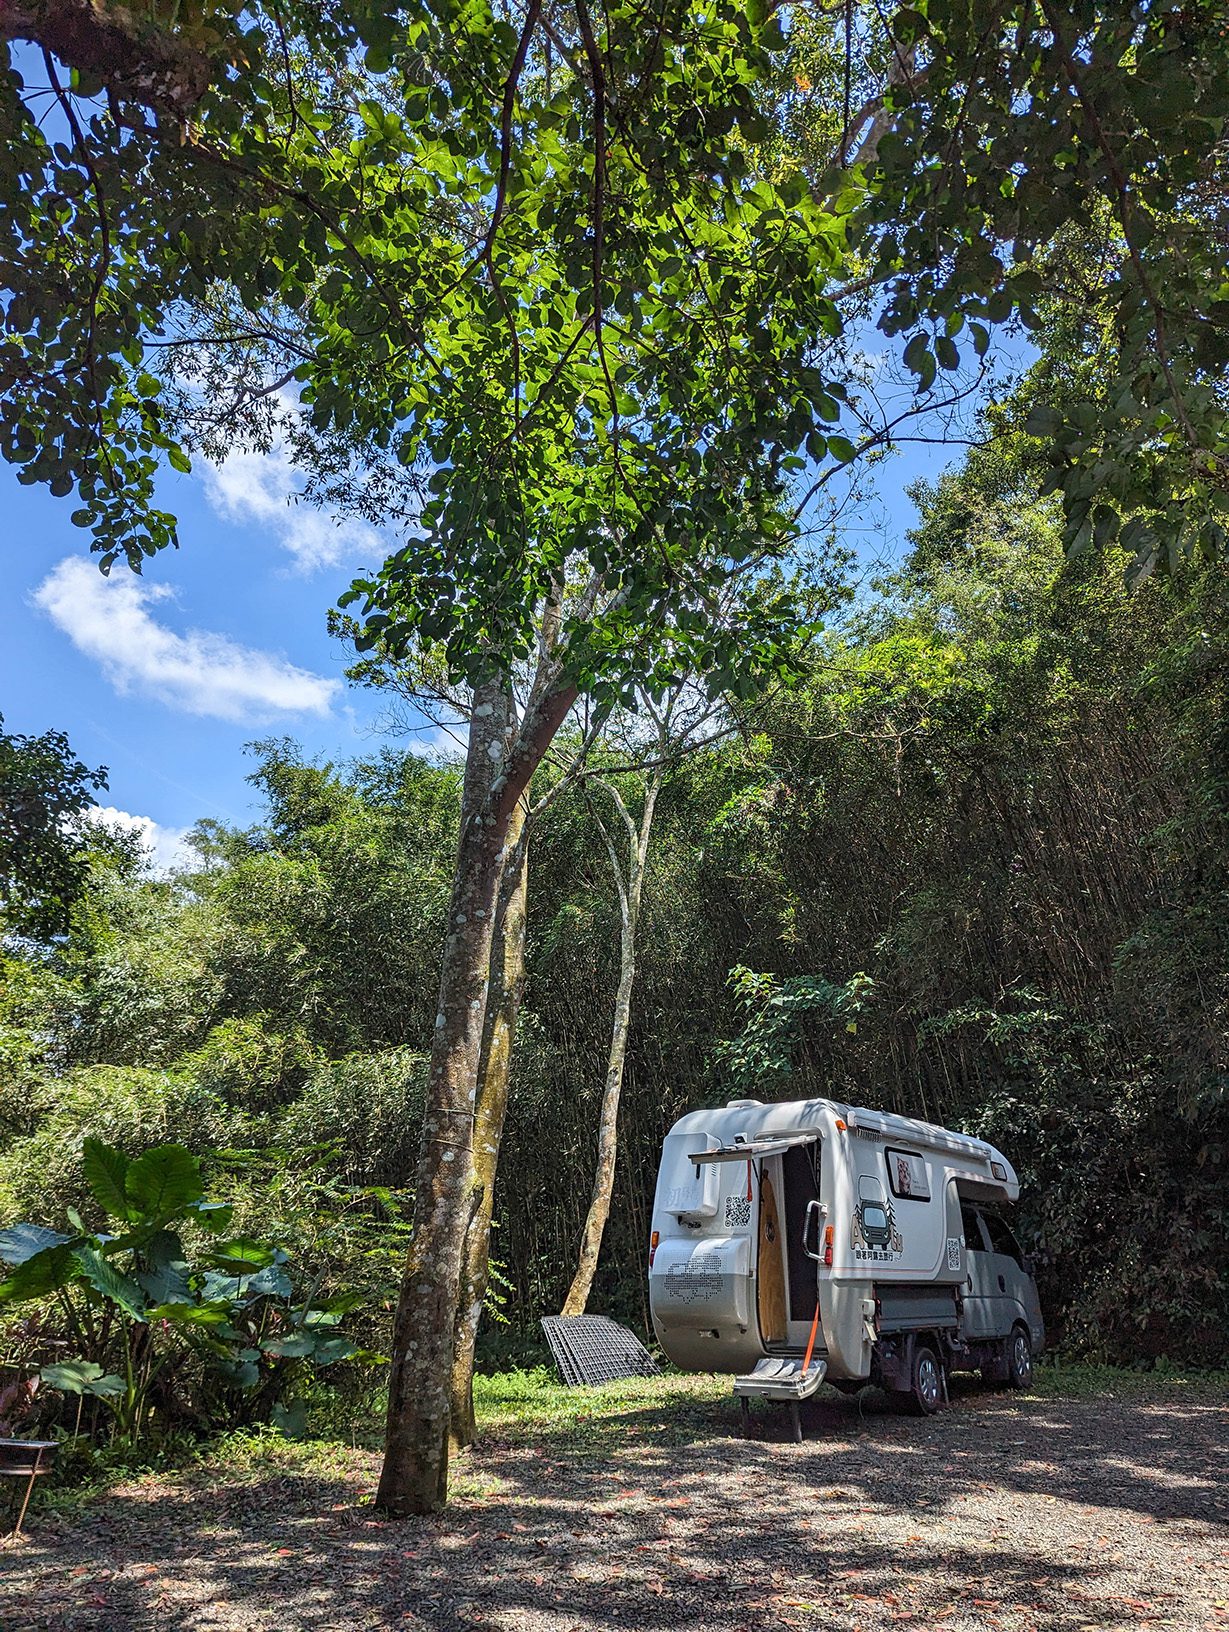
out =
column 737, row 1212
column 953, row 1252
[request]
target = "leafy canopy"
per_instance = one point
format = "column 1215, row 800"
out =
column 43, row 787
column 1072, row 154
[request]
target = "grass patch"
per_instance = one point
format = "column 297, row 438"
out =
column 519, row 1406
column 1070, row 1380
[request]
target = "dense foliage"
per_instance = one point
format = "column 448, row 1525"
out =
column 640, row 227
column 979, row 863
column 43, row 789
column 174, row 1320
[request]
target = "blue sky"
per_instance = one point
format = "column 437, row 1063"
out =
column 165, row 678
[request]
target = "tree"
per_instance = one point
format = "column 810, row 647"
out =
column 1105, row 123
column 44, row 791
column 628, row 871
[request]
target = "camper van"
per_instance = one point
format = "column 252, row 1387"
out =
column 799, row 1243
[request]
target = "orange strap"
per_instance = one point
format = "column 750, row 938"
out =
column 811, row 1340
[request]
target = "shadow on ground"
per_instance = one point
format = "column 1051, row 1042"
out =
column 999, row 1512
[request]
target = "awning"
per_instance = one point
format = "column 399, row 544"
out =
column 755, row 1147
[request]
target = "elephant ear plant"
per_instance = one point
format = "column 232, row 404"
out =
column 172, row 1316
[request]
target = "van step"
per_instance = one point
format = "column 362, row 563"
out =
column 781, row 1377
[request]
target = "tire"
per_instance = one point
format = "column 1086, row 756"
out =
column 1019, row 1358
column 926, row 1393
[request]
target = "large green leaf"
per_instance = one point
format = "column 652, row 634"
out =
column 164, row 1275
column 192, row 1314
column 242, row 1254
column 291, row 1420
column 164, row 1181
column 22, row 1241
column 294, row 1346
column 106, row 1170
column 40, row 1276
column 329, row 1349
column 213, row 1216
column 239, row 1373
column 118, row 1288
column 81, row 1377
column 271, row 1282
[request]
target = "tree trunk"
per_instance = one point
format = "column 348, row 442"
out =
column 128, row 49
column 414, row 1478
column 507, row 986
column 630, row 889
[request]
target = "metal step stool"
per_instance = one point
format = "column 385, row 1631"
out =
column 783, row 1380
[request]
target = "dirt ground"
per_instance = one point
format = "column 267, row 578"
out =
column 647, row 1512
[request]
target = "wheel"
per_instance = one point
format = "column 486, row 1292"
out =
column 1019, row 1358
column 926, row 1394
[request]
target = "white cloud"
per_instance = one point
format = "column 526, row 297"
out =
column 164, row 845
column 109, row 620
column 263, row 487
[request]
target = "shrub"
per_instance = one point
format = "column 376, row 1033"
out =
column 174, row 1320
column 249, row 1063
column 133, row 1108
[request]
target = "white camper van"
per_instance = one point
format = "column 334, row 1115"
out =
column 812, row 1241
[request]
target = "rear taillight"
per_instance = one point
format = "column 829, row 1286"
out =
column 828, row 1246
column 653, row 1240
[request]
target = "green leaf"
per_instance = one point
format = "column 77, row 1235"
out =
column 47, row 1272
column 213, row 1215
column 271, row 1282
column 239, row 1373
column 242, row 1253
column 106, row 1170
column 24, row 1241
column 191, row 1314
column 291, row 1420
column 117, row 1288
column 331, row 1349
column 81, row 1377
column 178, row 460
column 165, row 1279
column 164, row 1181
column 295, row 1346
column 917, row 352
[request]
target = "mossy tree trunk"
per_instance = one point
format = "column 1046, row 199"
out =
column 507, row 986
column 500, row 763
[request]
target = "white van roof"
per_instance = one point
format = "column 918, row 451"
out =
column 743, row 1121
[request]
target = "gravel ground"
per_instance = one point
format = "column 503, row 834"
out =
column 649, row 1513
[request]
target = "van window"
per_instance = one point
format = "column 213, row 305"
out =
column 972, row 1230
column 1001, row 1238
column 908, row 1175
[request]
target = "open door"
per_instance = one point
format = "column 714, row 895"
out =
column 786, row 1169
column 770, row 1276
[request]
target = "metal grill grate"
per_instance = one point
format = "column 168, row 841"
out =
column 590, row 1349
